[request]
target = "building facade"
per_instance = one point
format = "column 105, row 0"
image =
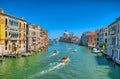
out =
column 33, row 37
column 101, row 37
column 69, row 38
column 88, row 39
column 12, row 33
column 114, row 40
column 18, row 36
column 84, row 40
column 44, row 38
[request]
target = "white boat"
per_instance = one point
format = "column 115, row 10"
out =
column 56, row 52
column 94, row 50
column 75, row 50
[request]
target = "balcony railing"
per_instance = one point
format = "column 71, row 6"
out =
column 112, row 32
column 14, row 38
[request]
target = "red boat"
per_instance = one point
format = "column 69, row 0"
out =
column 64, row 59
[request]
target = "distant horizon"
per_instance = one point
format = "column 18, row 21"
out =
column 76, row 16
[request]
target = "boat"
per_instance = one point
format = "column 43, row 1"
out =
column 56, row 52
column 94, row 50
column 69, row 47
column 64, row 59
column 75, row 50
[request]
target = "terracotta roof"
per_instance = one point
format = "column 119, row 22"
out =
column 35, row 24
column 41, row 29
column 97, row 31
column 101, row 30
column 105, row 29
column 91, row 33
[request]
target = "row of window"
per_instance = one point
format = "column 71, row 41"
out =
column 34, row 27
column 117, row 54
column 115, row 28
column 6, row 42
column 13, row 22
column 114, row 40
column 12, row 35
column 102, row 34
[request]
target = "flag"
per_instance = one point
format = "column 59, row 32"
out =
column 8, row 38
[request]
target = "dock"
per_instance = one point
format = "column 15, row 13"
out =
column 26, row 54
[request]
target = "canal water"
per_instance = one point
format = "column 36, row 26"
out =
column 45, row 65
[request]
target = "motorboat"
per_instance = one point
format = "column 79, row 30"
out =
column 64, row 59
column 56, row 52
column 75, row 50
column 94, row 50
column 69, row 47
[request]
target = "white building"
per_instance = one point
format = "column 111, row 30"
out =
column 102, row 36
column 114, row 40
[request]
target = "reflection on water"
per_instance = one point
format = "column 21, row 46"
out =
column 45, row 65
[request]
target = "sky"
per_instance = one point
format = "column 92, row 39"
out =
column 56, row 16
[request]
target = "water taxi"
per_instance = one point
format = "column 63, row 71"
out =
column 56, row 52
column 75, row 50
column 64, row 59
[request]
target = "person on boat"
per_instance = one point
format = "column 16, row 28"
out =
column 56, row 51
column 64, row 59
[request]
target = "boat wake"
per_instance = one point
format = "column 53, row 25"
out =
column 52, row 55
column 52, row 67
column 57, row 66
column 52, row 64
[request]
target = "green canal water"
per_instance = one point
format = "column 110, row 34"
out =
column 81, row 65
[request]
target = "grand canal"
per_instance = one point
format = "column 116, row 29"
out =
column 81, row 65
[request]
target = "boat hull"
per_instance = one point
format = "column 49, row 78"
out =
column 64, row 60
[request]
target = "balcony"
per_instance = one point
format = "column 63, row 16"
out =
column 112, row 32
column 14, row 38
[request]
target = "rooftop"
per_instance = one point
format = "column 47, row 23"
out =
column 117, row 19
column 35, row 25
column 9, row 15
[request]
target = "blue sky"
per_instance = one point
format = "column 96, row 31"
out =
column 56, row 16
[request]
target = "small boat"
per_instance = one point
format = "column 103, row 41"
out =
column 56, row 52
column 75, row 50
column 64, row 59
column 1, row 60
column 69, row 47
column 94, row 50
